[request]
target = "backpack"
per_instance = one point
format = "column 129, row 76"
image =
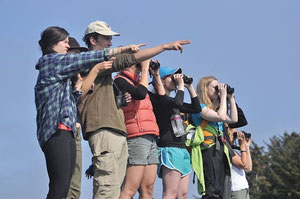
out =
column 199, row 138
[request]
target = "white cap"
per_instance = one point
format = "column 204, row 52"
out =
column 100, row 27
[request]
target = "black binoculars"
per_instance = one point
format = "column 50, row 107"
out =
column 230, row 90
column 247, row 135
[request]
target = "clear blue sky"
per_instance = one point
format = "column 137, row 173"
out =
column 253, row 46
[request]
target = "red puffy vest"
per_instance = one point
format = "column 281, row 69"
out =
column 139, row 115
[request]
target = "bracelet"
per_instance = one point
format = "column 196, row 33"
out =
column 243, row 151
column 113, row 52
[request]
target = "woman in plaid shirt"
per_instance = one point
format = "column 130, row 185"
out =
column 56, row 102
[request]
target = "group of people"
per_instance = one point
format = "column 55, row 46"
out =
column 134, row 133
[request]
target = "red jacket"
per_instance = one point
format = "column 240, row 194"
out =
column 139, row 115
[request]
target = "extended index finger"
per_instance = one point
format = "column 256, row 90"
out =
column 141, row 45
column 184, row 42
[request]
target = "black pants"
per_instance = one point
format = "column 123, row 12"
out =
column 215, row 166
column 60, row 154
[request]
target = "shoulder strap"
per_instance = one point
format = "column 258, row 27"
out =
column 204, row 124
column 209, row 136
column 126, row 76
column 123, row 76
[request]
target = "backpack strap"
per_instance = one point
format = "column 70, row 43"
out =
column 130, row 79
column 204, row 124
column 209, row 137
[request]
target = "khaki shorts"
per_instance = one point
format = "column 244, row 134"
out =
column 142, row 150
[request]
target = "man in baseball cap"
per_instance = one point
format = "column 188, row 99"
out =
column 100, row 27
column 102, row 123
column 98, row 35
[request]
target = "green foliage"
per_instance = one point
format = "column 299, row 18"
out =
column 276, row 173
column 257, row 180
column 284, row 163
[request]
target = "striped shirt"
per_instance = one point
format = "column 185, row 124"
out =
column 54, row 100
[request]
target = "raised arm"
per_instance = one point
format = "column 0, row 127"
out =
column 191, row 90
column 142, row 55
column 124, row 61
column 144, row 73
column 125, row 49
column 248, row 142
column 194, row 106
column 179, row 81
column 233, row 115
column 158, row 83
column 151, row 52
column 221, row 114
column 89, row 80
column 243, row 161
column 179, row 97
column 222, row 111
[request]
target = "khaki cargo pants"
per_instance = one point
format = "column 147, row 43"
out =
column 110, row 153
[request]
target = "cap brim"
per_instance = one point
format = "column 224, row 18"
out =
column 175, row 71
column 178, row 70
column 109, row 33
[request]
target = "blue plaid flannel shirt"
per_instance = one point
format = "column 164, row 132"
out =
column 54, row 99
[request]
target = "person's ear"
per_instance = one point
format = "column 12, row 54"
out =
column 93, row 41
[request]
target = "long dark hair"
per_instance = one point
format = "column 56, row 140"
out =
column 51, row 36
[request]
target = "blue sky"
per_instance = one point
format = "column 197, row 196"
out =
column 253, row 46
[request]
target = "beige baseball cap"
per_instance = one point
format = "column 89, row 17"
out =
column 100, row 27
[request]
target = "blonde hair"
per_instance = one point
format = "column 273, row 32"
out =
column 202, row 91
